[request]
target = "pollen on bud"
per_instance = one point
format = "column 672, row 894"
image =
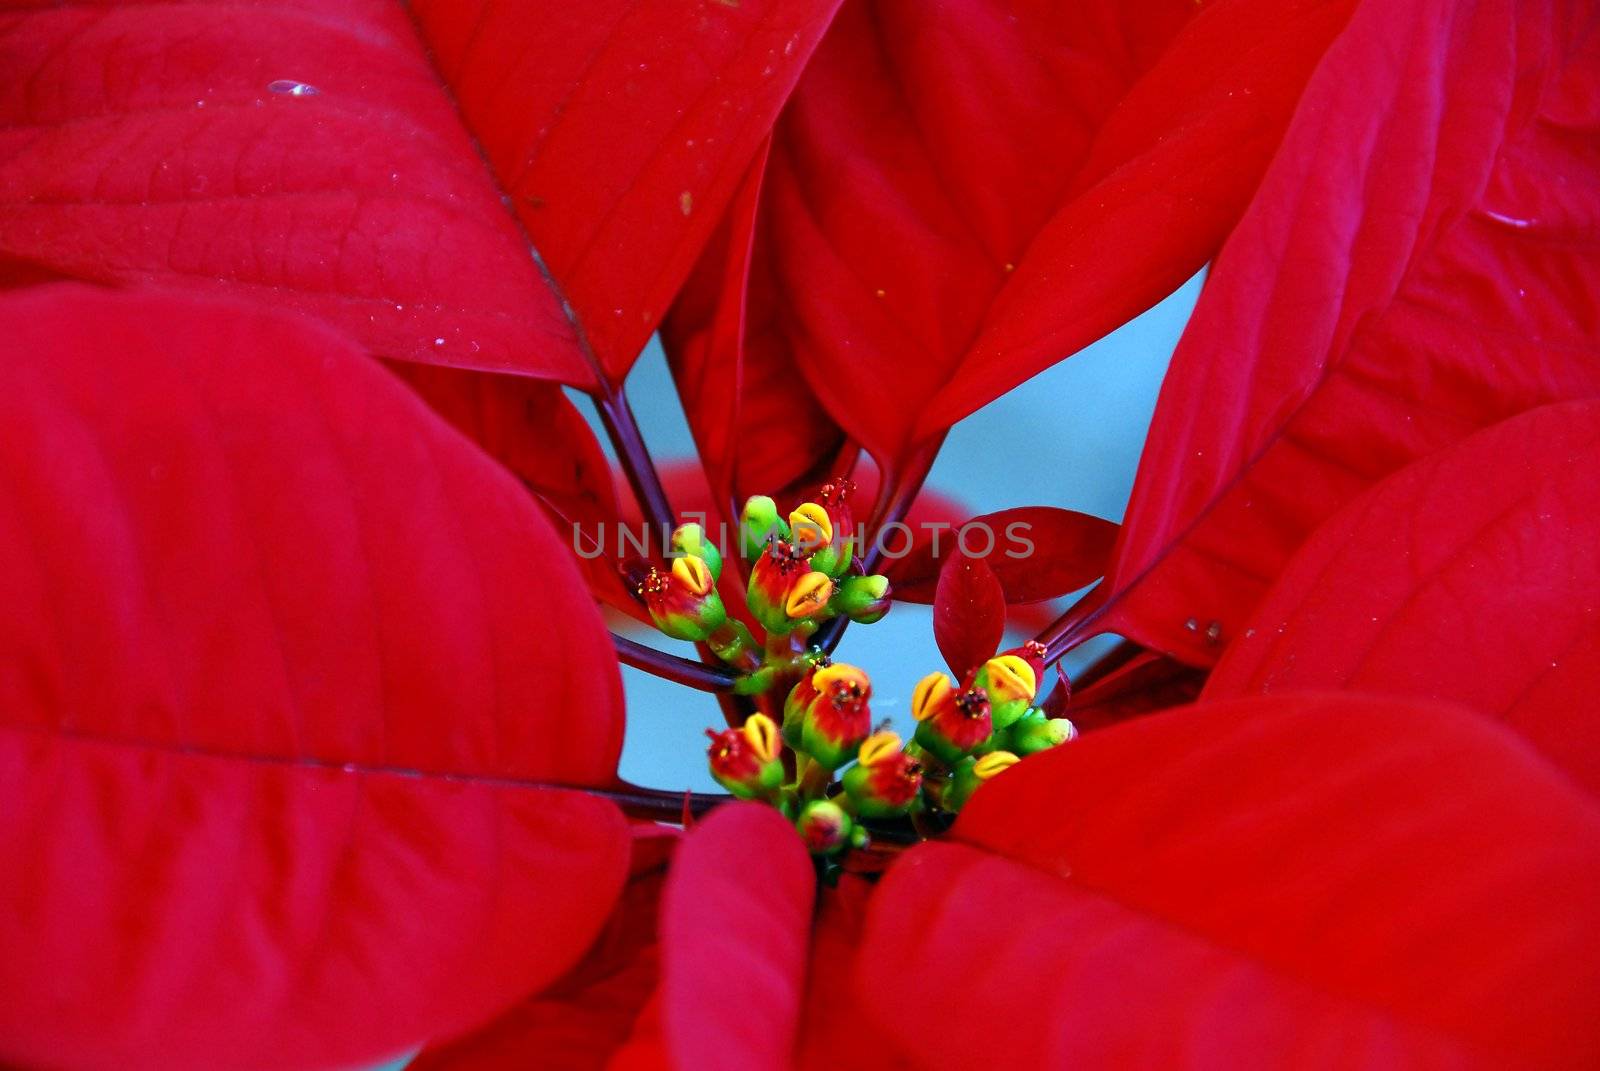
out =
column 838, row 718
column 810, row 527
column 826, row 828
column 694, row 574
column 745, row 761
column 809, row 595
column 683, row 602
column 930, row 693
column 956, row 726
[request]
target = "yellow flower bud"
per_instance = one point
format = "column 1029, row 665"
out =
column 762, row 733
column 877, row 747
column 1011, row 678
column 930, row 692
column 811, row 527
column 809, row 595
column 994, row 763
column 693, row 573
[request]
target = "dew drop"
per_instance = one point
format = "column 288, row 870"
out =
column 438, row 342
column 686, row 202
column 288, row 87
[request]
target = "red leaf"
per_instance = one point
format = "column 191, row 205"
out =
column 580, row 1022
column 620, row 130
column 1149, row 682
column 960, row 194
column 1421, row 262
column 969, row 613
column 1036, row 552
column 203, row 160
column 279, row 685
column 1471, row 575
column 1303, row 881
column 145, row 143
column 733, row 941
column 757, row 425
column 530, row 427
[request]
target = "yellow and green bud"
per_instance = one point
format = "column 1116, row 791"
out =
column 972, row 773
column 885, row 780
column 746, row 761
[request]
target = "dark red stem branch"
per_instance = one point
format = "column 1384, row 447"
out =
column 671, row 667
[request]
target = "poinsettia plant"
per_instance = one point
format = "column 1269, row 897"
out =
column 312, row 601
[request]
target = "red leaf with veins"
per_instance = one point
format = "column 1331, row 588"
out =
column 1036, row 552
column 620, row 130
column 961, row 194
column 1472, row 575
column 969, row 612
column 1331, row 881
column 280, row 683
column 308, row 155
column 1421, row 261
column 733, row 949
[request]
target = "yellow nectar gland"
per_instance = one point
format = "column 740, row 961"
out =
column 811, row 527
column 762, row 733
column 809, row 595
column 929, row 694
column 693, row 573
column 877, row 747
column 993, row 763
column 1010, row 677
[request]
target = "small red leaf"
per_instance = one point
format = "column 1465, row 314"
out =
column 1472, row 575
column 1036, row 552
column 1421, row 261
column 969, row 613
column 280, row 685
column 734, row 942
column 1333, row 881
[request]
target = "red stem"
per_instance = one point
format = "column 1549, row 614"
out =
column 706, row 678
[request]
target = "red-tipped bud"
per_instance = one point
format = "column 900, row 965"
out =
column 838, row 718
column 1010, row 682
column 683, row 601
column 784, row 589
column 745, row 761
column 952, row 724
column 885, row 780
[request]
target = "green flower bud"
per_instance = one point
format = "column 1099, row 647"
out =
column 863, row 599
column 827, row 829
column 1034, row 732
column 759, row 524
column 690, row 540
